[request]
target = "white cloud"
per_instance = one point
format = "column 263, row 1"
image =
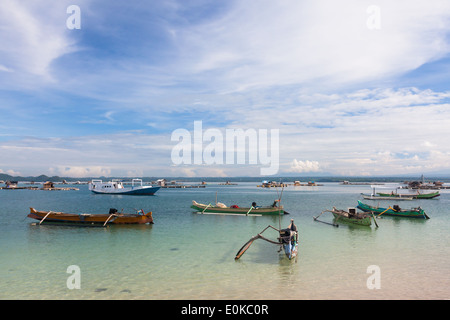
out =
column 203, row 171
column 11, row 172
column 5, row 69
column 389, row 131
column 81, row 172
column 33, row 36
column 304, row 166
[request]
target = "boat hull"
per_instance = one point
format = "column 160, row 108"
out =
column 365, row 221
column 291, row 250
column 413, row 213
column 414, row 196
column 202, row 208
column 372, row 197
column 145, row 191
column 90, row 219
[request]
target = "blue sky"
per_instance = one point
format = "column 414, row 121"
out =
column 104, row 99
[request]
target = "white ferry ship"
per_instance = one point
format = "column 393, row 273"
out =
column 117, row 187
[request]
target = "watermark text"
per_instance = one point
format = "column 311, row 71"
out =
column 237, row 146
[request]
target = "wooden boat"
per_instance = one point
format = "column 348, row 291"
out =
column 91, row 219
column 351, row 216
column 117, row 187
column 220, row 208
column 287, row 240
column 395, row 211
column 379, row 197
column 412, row 195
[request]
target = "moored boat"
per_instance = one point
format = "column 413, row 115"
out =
column 113, row 217
column 379, row 197
column 395, row 211
column 351, row 216
column 117, row 187
column 254, row 210
column 417, row 195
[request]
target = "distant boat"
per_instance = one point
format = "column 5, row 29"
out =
column 379, row 197
column 86, row 219
column 398, row 196
column 412, row 195
column 395, row 211
column 116, row 187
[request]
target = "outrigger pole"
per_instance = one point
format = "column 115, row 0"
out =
column 331, row 224
column 258, row 236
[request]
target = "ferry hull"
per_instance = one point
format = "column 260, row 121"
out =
column 134, row 192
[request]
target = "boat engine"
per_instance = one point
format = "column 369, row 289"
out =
column 286, row 236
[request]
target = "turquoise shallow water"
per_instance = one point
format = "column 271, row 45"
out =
column 191, row 256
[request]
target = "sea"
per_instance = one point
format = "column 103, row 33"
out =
column 190, row 256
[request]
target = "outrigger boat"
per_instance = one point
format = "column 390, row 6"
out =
column 417, row 195
column 87, row 219
column 379, row 197
column 287, row 240
column 398, row 196
column 351, row 216
column 395, row 211
column 220, row 208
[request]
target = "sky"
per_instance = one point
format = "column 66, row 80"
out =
column 350, row 87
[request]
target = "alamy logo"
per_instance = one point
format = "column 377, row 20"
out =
column 237, row 146
column 74, row 280
column 374, row 280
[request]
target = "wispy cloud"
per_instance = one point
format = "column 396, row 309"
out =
column 33, row 36
column 268, row 43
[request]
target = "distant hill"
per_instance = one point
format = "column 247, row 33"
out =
column 41, row 178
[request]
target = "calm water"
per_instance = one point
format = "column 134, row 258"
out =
column 191, row 256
